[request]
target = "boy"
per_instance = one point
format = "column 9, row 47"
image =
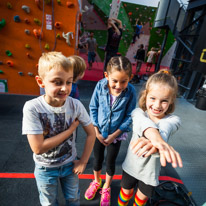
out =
column 50, row 121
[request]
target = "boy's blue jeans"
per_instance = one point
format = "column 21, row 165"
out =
column 47, row 184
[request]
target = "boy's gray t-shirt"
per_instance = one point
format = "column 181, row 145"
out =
column 41, row 118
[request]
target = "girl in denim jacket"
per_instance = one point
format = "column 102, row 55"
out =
column 111, row 105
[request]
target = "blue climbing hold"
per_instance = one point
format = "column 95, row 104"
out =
column 17, row 18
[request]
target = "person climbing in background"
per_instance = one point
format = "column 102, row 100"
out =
column 112, row 103
column 137, row 32
column 91, row 47
column 114, row 36
column 150, row 59
column 140, row 56
column 156, row 59
column 79, row 67
column 154, row 121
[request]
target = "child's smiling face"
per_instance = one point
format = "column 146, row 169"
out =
column 158, row 100
column 117, row 81
column 57, row 83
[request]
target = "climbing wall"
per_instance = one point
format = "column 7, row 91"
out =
column 28, row 28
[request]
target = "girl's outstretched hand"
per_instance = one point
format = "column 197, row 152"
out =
column 143, row 147
column 169, row 154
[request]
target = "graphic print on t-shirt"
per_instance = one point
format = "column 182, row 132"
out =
column 50, row 129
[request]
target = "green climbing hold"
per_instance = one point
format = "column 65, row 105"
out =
column 8, row 53
column 1, row 72
column 27, row 46
column 46, row 46
column 2, row 23
column 9, row 5
column 37, row 21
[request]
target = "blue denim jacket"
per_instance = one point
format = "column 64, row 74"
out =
column 108, row 119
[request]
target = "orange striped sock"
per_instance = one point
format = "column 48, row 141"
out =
column 139, row 202
column 123, row 198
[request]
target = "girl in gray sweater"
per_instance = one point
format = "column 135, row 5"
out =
column 153, row 120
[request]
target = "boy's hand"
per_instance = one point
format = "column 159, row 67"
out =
column 168, row 154
column 109, row 140
column 143, row 147
column 74, row 124
column 79, row 167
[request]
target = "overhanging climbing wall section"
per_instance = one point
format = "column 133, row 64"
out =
column 28, row 28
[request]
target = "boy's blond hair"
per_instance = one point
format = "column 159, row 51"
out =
column 52, row 60
column 79, row 66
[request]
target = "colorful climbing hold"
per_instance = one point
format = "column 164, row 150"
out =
column 21, row 73
column 58, row 36
column 10, row 63
column 28, row 55
column 58, row 24
column 26, row 21
column 59, row 2
column 17, row 18
column 30, row 74
column 26, row 9
column 9, row 6
column 38, row 33
column 38, row 3
column 27, row 46
column 70, row 4
column 8, row 53
column 27, row 31
column 37, row 21
column 2, row 23
column 130, row 13
column 1, row 72
column 46, row 46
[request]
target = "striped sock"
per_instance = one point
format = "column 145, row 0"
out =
column 123, row 198
column 139, row 202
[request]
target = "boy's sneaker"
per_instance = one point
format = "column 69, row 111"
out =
column 92, row 190
column 105, row 197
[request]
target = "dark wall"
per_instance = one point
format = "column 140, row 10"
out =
column 199, row 58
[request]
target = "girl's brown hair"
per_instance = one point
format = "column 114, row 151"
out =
column 161, row 77
column 119, row 63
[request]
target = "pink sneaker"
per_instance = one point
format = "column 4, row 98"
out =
column 92, row 190
column 105, row 197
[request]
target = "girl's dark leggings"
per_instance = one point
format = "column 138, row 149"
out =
column 112, row 152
